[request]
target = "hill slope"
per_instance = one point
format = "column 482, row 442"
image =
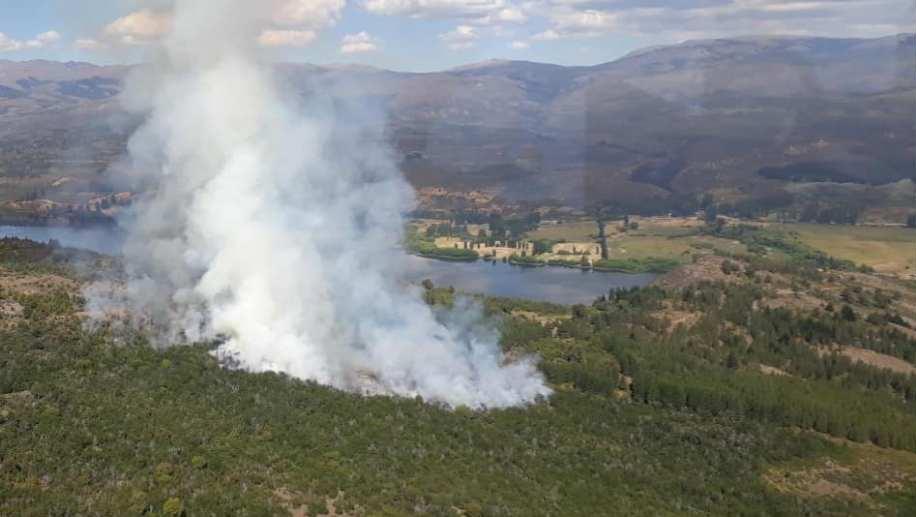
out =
column 743, row 115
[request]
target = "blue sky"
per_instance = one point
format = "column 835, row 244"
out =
column 422, row 35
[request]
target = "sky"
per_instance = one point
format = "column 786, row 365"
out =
column 428, row 35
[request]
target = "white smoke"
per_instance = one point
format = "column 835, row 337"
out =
column 275, row 226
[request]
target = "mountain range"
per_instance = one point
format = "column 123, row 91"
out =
column 732, row 118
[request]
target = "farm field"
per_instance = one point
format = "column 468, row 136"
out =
column 888, row 249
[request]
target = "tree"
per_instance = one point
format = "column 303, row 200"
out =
column 542, row 246
column 720, row 224
column 848, row 314
column 602, row 235
column 712, row 213
column 729, row 267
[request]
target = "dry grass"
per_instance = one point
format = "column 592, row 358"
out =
column 888, row 249
column 872, row 358
column 706, row 268
column 771, row 370
column 35, row 284
column 543, row 319
column 868, row 474
column 655, row 237
column 572, row 231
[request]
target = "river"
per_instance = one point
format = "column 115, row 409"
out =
column 550, row 284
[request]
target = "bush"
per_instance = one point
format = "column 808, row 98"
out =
column 173, row 506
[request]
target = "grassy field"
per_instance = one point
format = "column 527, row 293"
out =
column 887, row 249
column 651, row 245
column 659, row 238
column 575, row 231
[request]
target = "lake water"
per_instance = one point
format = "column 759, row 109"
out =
column 94, row 238
column 551, row 284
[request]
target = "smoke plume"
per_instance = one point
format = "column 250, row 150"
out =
column 274, row 225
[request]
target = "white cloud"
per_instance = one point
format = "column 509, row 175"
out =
column 290, row 23
column 476, row 12
column 587, row 22
column 548, row 35
column 435, row 8
column 666, row 20
column 43, row 40
column 508, row 15
column 358, row 43
column 286, row 38
column 138, row 28
column 519, row 45
column 310, row 14
column 461, row 38
column 8, row 44
column 88, row 44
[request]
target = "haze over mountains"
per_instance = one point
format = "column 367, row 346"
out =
column 729, row 116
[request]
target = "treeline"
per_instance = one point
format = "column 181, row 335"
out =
column 763, row 242
column 712, row 367
column 90, row 425
column 857, row 416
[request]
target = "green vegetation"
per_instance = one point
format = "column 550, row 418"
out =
column 455, row 254
column 775, row 244
column 425, row 247
column 646, row 265
column 526, row 260
column 648, row 417
column 578, row 231
column 886, row 248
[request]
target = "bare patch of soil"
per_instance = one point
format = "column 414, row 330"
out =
column 872, row 358
column 676, row 318
column 35, row 284
column 771, row 370
column 788, row 298
column 297, row 505
column 870, row 471
column 706, row 268
column 543, row 319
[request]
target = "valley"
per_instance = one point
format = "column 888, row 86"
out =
column 762, row 377
column 679, row 282
column 667, row 130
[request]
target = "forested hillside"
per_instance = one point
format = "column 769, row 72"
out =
column 734, row 393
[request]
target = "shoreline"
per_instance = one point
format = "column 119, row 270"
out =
column 538, row 265
column 57, row 222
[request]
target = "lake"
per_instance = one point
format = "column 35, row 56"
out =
column 101, row 239
column 550, row 284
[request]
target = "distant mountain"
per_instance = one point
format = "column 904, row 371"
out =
column 732, row 116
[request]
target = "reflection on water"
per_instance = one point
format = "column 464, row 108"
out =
column 100, row 239
column 552, row 284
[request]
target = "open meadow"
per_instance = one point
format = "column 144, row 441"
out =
column 888, row 249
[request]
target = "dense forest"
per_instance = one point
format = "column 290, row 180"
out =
column 662, row 406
